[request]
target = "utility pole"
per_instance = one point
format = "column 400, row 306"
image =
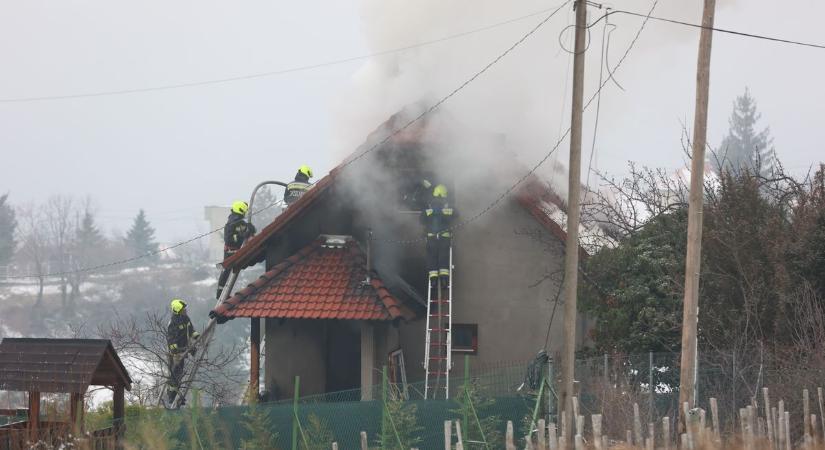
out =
column 690, row 316
column 571, row 255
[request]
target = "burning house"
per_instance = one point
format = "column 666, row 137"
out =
column 345, row 285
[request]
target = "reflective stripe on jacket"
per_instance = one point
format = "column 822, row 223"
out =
column 297, row 188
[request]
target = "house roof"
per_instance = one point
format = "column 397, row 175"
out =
column 535, row 195
column 321, row 281
column 59, row 365
column 253, row 251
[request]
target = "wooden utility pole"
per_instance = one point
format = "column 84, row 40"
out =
column 571, row 255
column 690, row 316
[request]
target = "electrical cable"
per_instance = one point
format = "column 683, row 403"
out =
column 345, row 164
column 720, row 30
column 532, row 170
column 598, row 108
column 277, row 72
column 437, row 104
column 98, row 267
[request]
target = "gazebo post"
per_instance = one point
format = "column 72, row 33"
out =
column 255, row 359
column 34, row 415
column 118, row 405
column 76, row 412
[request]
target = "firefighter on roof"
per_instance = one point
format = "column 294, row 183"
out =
column 235, row 232
column 438, row 218
column 299, row 186
column 180, row 337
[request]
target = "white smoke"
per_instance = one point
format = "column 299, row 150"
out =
column 524, row 98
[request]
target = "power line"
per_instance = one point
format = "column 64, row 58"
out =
column 97, row 268
column 277, row 72
column 345, row 164
column 456, row 90
column 720, row 30
column 552, row 150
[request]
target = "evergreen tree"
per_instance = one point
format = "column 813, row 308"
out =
column 8, row 224
column 140, row 239
column 86, row 247
column 744, row 148
column 88, row 235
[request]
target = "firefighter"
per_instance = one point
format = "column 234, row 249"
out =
column 235, row 232
column 299, row 186
column 438, row 217
column 180, row 337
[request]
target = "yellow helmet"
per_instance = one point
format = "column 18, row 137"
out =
column 305, row 170
column 240, row 207
column 440, row 191
column 177, row 305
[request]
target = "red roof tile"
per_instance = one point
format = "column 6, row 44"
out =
column 318, row 282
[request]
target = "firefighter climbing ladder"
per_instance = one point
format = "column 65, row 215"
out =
column 439, row 344
column 202, row 345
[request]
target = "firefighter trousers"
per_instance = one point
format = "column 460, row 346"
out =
column 438, row 255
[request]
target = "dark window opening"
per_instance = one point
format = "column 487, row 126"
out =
column 465, row 338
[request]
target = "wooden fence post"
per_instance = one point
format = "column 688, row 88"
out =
column 637, row 425
column 768, row 421
column 448, row 431
column 542, row 442
column 821, row 411
column 787, row 430
column 806, row 413
column 364, row 444
column 552, row 440
column 597, row 431
column 459, row 445
column 509, row 437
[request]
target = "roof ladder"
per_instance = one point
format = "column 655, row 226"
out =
column 439, row 345
column 202, row 345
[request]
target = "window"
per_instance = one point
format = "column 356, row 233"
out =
column 465, row 338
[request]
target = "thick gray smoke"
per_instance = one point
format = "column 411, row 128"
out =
column 509, row 117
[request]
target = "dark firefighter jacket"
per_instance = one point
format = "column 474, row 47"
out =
column 236, row 231
column 179, row 332
column 438, row 217
column 296, row 189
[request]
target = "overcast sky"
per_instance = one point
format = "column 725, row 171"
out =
column 174, row 151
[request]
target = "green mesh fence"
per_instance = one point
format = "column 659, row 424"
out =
column 608, row 385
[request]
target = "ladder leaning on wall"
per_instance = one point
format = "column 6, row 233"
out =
column 439, row 344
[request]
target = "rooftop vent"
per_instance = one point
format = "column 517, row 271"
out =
column 335, row 241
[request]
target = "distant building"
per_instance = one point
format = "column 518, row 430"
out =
column 216, row 216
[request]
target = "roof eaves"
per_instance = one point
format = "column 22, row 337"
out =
column 253, row 250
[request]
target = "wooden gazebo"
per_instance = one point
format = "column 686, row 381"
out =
column 67, row 366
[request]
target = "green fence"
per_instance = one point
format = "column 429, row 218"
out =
column 483, row 400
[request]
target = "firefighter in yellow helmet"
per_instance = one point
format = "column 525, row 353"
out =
column 299, row 186
column 235, row 232
column 180, row 337
column 438, row 220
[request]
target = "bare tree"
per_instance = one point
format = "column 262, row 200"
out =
column 34, row 244
column 141, row 342
column 60, row 229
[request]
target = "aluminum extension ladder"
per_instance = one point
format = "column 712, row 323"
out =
column 439, row 344
column 202, row 344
